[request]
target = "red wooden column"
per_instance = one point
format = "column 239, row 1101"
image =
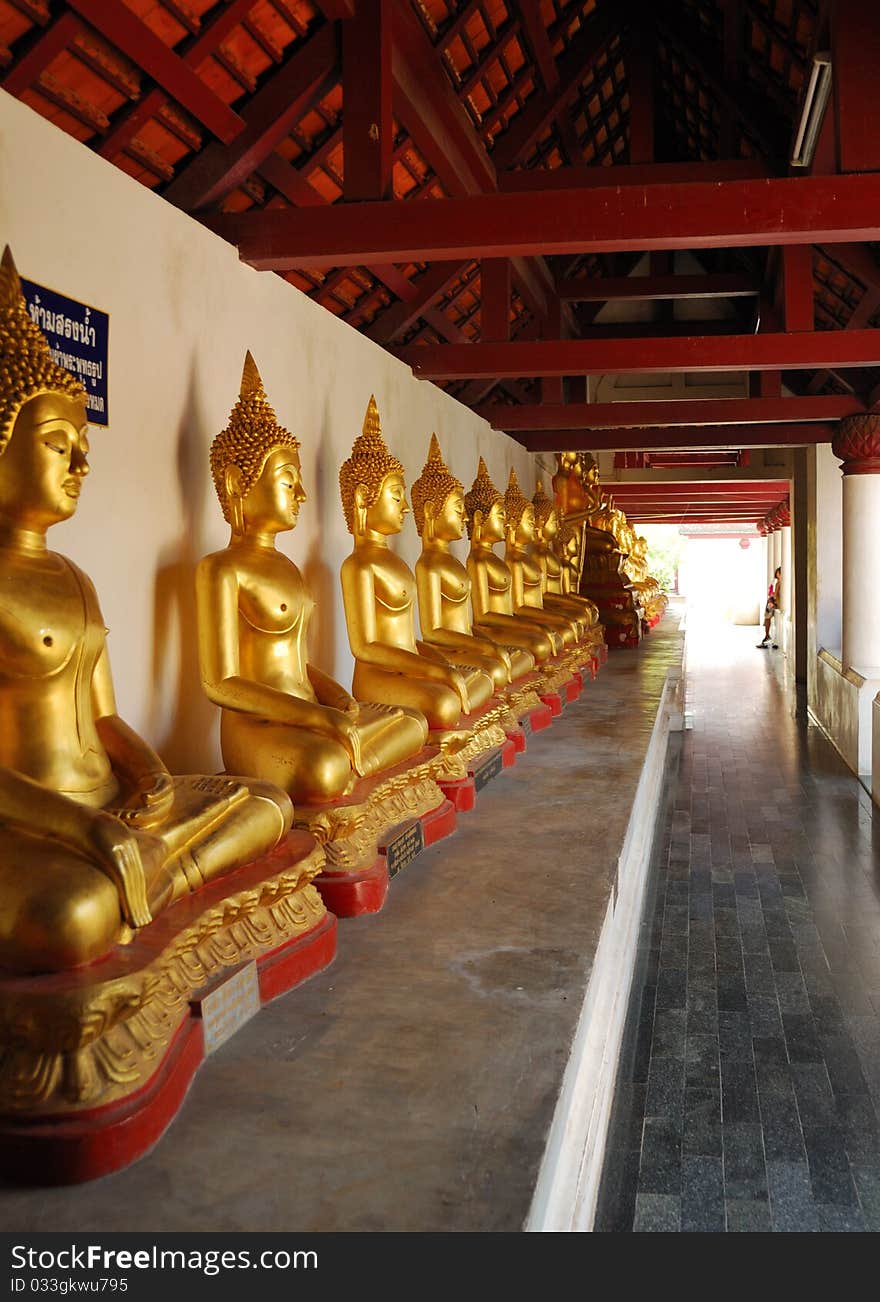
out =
column 552, row 386
column 495, row 300
column 797, row 287
column 639, row 57
column 367, row 125
column 855, row 40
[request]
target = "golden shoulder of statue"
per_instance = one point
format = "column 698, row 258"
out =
column 282, row 718
column 96, row 836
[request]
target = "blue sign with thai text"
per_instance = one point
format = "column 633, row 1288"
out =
column 79, row 337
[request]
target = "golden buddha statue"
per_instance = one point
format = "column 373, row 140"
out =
column 379, row 594
column 528, row 578
column 491, row 579
column 282, row 718
column 554, row 571
column 97, row 837
column 442, row 581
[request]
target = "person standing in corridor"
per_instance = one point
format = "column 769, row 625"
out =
column 772, row 611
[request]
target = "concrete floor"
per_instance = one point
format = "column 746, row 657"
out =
column 411, row 1086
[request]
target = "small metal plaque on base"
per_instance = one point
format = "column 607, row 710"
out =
column 227, row 1004
column 486, row 767
column 404, row 844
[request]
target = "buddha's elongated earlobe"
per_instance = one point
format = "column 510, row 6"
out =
column 232, row 478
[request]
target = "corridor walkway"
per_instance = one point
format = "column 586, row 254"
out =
column 749, row 1094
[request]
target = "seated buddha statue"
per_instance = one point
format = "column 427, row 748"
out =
column 570, row 550
column 553, row 571
column 96, row 837
column 443, row 583
column 379, row 595
column 282, row 718
column 491, row 579
column 528, row 579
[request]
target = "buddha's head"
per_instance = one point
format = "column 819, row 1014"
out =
column 546, row 517
column 486, row 515
column 438, row 499
column 255, row 463
column 520, row 512
column 43, row 423
column 372, row 484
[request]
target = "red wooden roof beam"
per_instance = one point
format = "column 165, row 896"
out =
column 784, row 210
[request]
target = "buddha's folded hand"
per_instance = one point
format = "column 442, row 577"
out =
column 127, row 858
column 150, row 803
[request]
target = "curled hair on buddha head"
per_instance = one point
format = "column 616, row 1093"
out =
column 251, row 433
column 435, row 484
column 544, row 505
column 27, row 368
column 482, row 497
column 515, row 502
column 368, row 467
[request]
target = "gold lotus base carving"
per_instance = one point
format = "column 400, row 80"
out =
column 97, row 1034
column 349, row 831
column 461, row 745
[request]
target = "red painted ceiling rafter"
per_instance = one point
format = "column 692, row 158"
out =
column 573, row 68
column 646, row 289
column 805, row 350
column 50, row 43
column 434, row 118
column 728, row 214
column 681, row 412
column 273, row 110
column 590, row 177
column 129, row 124
column 623, row 438
column 138, row 42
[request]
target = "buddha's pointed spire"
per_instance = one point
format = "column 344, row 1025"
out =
column 483, row 494
column 434, row 484
column 251, row 433
column 544, row 505
column 251, row 380
column 369, row 464
column 515, row 501
column 372, row 426
column 10, row 285
column 27, row 368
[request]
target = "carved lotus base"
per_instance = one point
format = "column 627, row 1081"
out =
column 350, row 895
column 95, row 1062
column 349, row 830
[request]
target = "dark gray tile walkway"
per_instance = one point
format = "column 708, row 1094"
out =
column 749, row 1094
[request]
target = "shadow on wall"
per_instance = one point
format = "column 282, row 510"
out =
column 321, row 582
column 183, row 720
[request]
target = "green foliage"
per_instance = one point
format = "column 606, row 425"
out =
column 665, row 550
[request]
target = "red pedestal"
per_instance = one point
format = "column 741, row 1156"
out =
column 573, row 687
column 461, row 794
column 438, row 822
column 509, row 753
column 85, row 1145
column 349, row 895
column 540, row 718
column 553, row 701
column 518, row 740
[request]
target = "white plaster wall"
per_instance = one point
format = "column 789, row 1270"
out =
column 837, row 707
column 183, row 310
